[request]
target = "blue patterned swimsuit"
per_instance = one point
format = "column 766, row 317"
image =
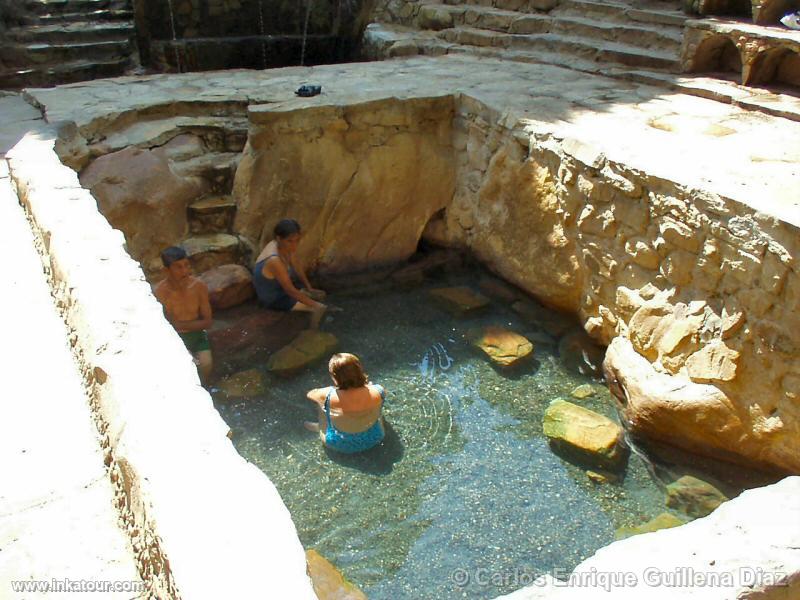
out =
column 350, row 443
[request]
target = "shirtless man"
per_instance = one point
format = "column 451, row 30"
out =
column 186, row 306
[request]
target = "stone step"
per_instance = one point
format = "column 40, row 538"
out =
column 641, row 36
column 599, row 51
column 70, row 72
column 213, row 214
column 72, row 32
column 443, row 16
column 32, row 55
column 218, row 168
column 207, row 251
column 92, row 16
column 620, row 12
column 53, row 7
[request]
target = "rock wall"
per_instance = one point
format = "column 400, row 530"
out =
column 704, row 288
column 363, row 180
column 700, row 290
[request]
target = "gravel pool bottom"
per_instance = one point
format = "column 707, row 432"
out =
column 464, row 499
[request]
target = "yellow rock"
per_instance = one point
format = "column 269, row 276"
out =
column 584, row 434
column 243, row 384
column 583, row 391
column 308, row 347
column 504, row 347
column 328, row 582
column 662, row 521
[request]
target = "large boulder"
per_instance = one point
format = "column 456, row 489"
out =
column 228, row 285
column 584, row 434
column 381, row 170
column 139, row 194
column 699, row 417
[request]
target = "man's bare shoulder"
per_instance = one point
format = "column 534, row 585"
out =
column 160, row 288
column 197, row 284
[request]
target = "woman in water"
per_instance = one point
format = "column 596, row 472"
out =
column 275, row 268
column 349, row 411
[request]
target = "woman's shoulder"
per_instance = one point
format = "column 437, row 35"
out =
column 378, row 388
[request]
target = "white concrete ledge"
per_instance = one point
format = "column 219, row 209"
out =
column 204, row 522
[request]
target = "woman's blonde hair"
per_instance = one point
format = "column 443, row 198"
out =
column 347, row 371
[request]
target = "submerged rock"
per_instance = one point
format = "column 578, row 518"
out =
column 328, row 582
column 601, row 476
column 244, row 384
column 584, row 434
column 460, row 301
column 583, row 391
column 554, row 323
column 499, row 289
column 693, row 496
column 662, row 521
column 228, row 285
column 504, row 347
column 307, row 348
column 581, row 354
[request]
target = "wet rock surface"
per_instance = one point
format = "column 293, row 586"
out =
column 694, row 497
column 505, row 348
column 585, row 435
column 306, row 349
column 460, row 301
column 228, row 285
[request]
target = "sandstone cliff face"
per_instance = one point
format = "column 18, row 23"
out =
column 702, row 289
column 363, row 180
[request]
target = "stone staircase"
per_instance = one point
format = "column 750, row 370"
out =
column 583, row 34
column 64, row 41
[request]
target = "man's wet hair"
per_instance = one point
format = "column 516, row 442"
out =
column 172, row 255
column 285, row 228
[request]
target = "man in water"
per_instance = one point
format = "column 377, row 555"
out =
column 186, row 306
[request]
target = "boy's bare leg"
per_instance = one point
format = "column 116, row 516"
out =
column 205, row 365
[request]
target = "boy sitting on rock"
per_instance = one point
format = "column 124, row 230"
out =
column 186, row 306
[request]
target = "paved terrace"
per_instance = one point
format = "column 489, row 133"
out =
column 746, row 156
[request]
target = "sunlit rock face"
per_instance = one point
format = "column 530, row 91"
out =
column 362, row 180
column 700, row 289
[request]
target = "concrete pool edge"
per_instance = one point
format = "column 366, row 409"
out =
column 174, row 471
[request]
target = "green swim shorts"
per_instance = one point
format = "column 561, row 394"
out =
column 195, row 341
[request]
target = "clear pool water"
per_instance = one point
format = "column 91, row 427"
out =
column 465, row 499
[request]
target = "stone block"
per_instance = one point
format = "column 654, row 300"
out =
column 586, row 435
column 306, row 349
column 505, row 348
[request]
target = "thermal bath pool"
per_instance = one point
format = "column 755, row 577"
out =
column 465, row 498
